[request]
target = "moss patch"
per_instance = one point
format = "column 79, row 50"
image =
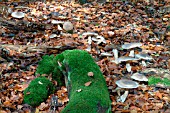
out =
column 38, row 91
column 49, row 65
column 155, row 80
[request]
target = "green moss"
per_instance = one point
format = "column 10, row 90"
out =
column 155, row 80
column 93, row 98
column 75, row 66
column 38, row 91
column 49, row 65
column 166, row 81
column 46, row 65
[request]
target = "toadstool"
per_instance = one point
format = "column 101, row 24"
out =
column 125, row 84
column 131, row 45
column 139, row 77
column 18, row 15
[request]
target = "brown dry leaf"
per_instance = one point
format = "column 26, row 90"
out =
column 37, row 110
column 87, row 83
column 146, row 95
column 2, row 111
column 159, row 105
column 42, row 106
column 90, row 74
column 169, row 64
column 7, row 103
column 18, row 107
column 159, row 95
column 75, row 35
column 21, row 87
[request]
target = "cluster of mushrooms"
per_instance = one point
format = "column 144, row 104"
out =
column 123, row 84
column 126, row 84
column 67, row 25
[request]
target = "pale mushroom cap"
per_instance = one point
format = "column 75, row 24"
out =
column 144, row 56
column 90, row 34
column 125, row 83
column 131, row 45
column 139, row 77
column 124, row 59
column 68, row 26
column 56, row 22
column 18, row 14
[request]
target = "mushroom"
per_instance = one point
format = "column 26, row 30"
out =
column 125, row 84
column 132, row 53
column 56, row 22
column 90, row 34
column 139, row 77
column 18, row 15
column 52, row 36
column 99, row 39
column 124, row 59
column 143, row 56
column 68, row 26
column 128, row 67
column 131, row 45
column 115, row 53
column 106, row 54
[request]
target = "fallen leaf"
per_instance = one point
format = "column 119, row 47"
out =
column 87, row 83
column 90, row 74
column 42, row 106
column 158, row 94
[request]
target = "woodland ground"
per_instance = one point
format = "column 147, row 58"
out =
column 24, row 41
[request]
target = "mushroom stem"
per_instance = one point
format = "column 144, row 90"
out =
column 124, row 96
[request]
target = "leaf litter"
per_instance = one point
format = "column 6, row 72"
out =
column 110, row 26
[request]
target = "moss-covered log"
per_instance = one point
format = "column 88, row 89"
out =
column 75, row 66
column 85, row 99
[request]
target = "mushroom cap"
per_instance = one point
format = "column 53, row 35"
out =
column 131, row 45
column 90, row 34
column 124, row 59
column 139, row 77
column 52, row 36
column 99, row 39
column 18, row 14
column 68, row 26
column 57, row 22
column 144, row 56
column 125, row 83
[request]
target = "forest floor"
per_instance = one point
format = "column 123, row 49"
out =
column 25, row 40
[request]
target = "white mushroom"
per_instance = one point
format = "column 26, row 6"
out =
column 56, row 22
column 139, row 77
column 143, row 56
column 131, row 45
column 132, row 53
column 89, row 44
column 125, row 83
column 18, row 14
column 128, row 67
column 115, row 53
column 52, row 36
column 90, row 34
column 124, row 96
column 99, row 39
column 124, row 59
column 68, row 26
column 106, row 54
